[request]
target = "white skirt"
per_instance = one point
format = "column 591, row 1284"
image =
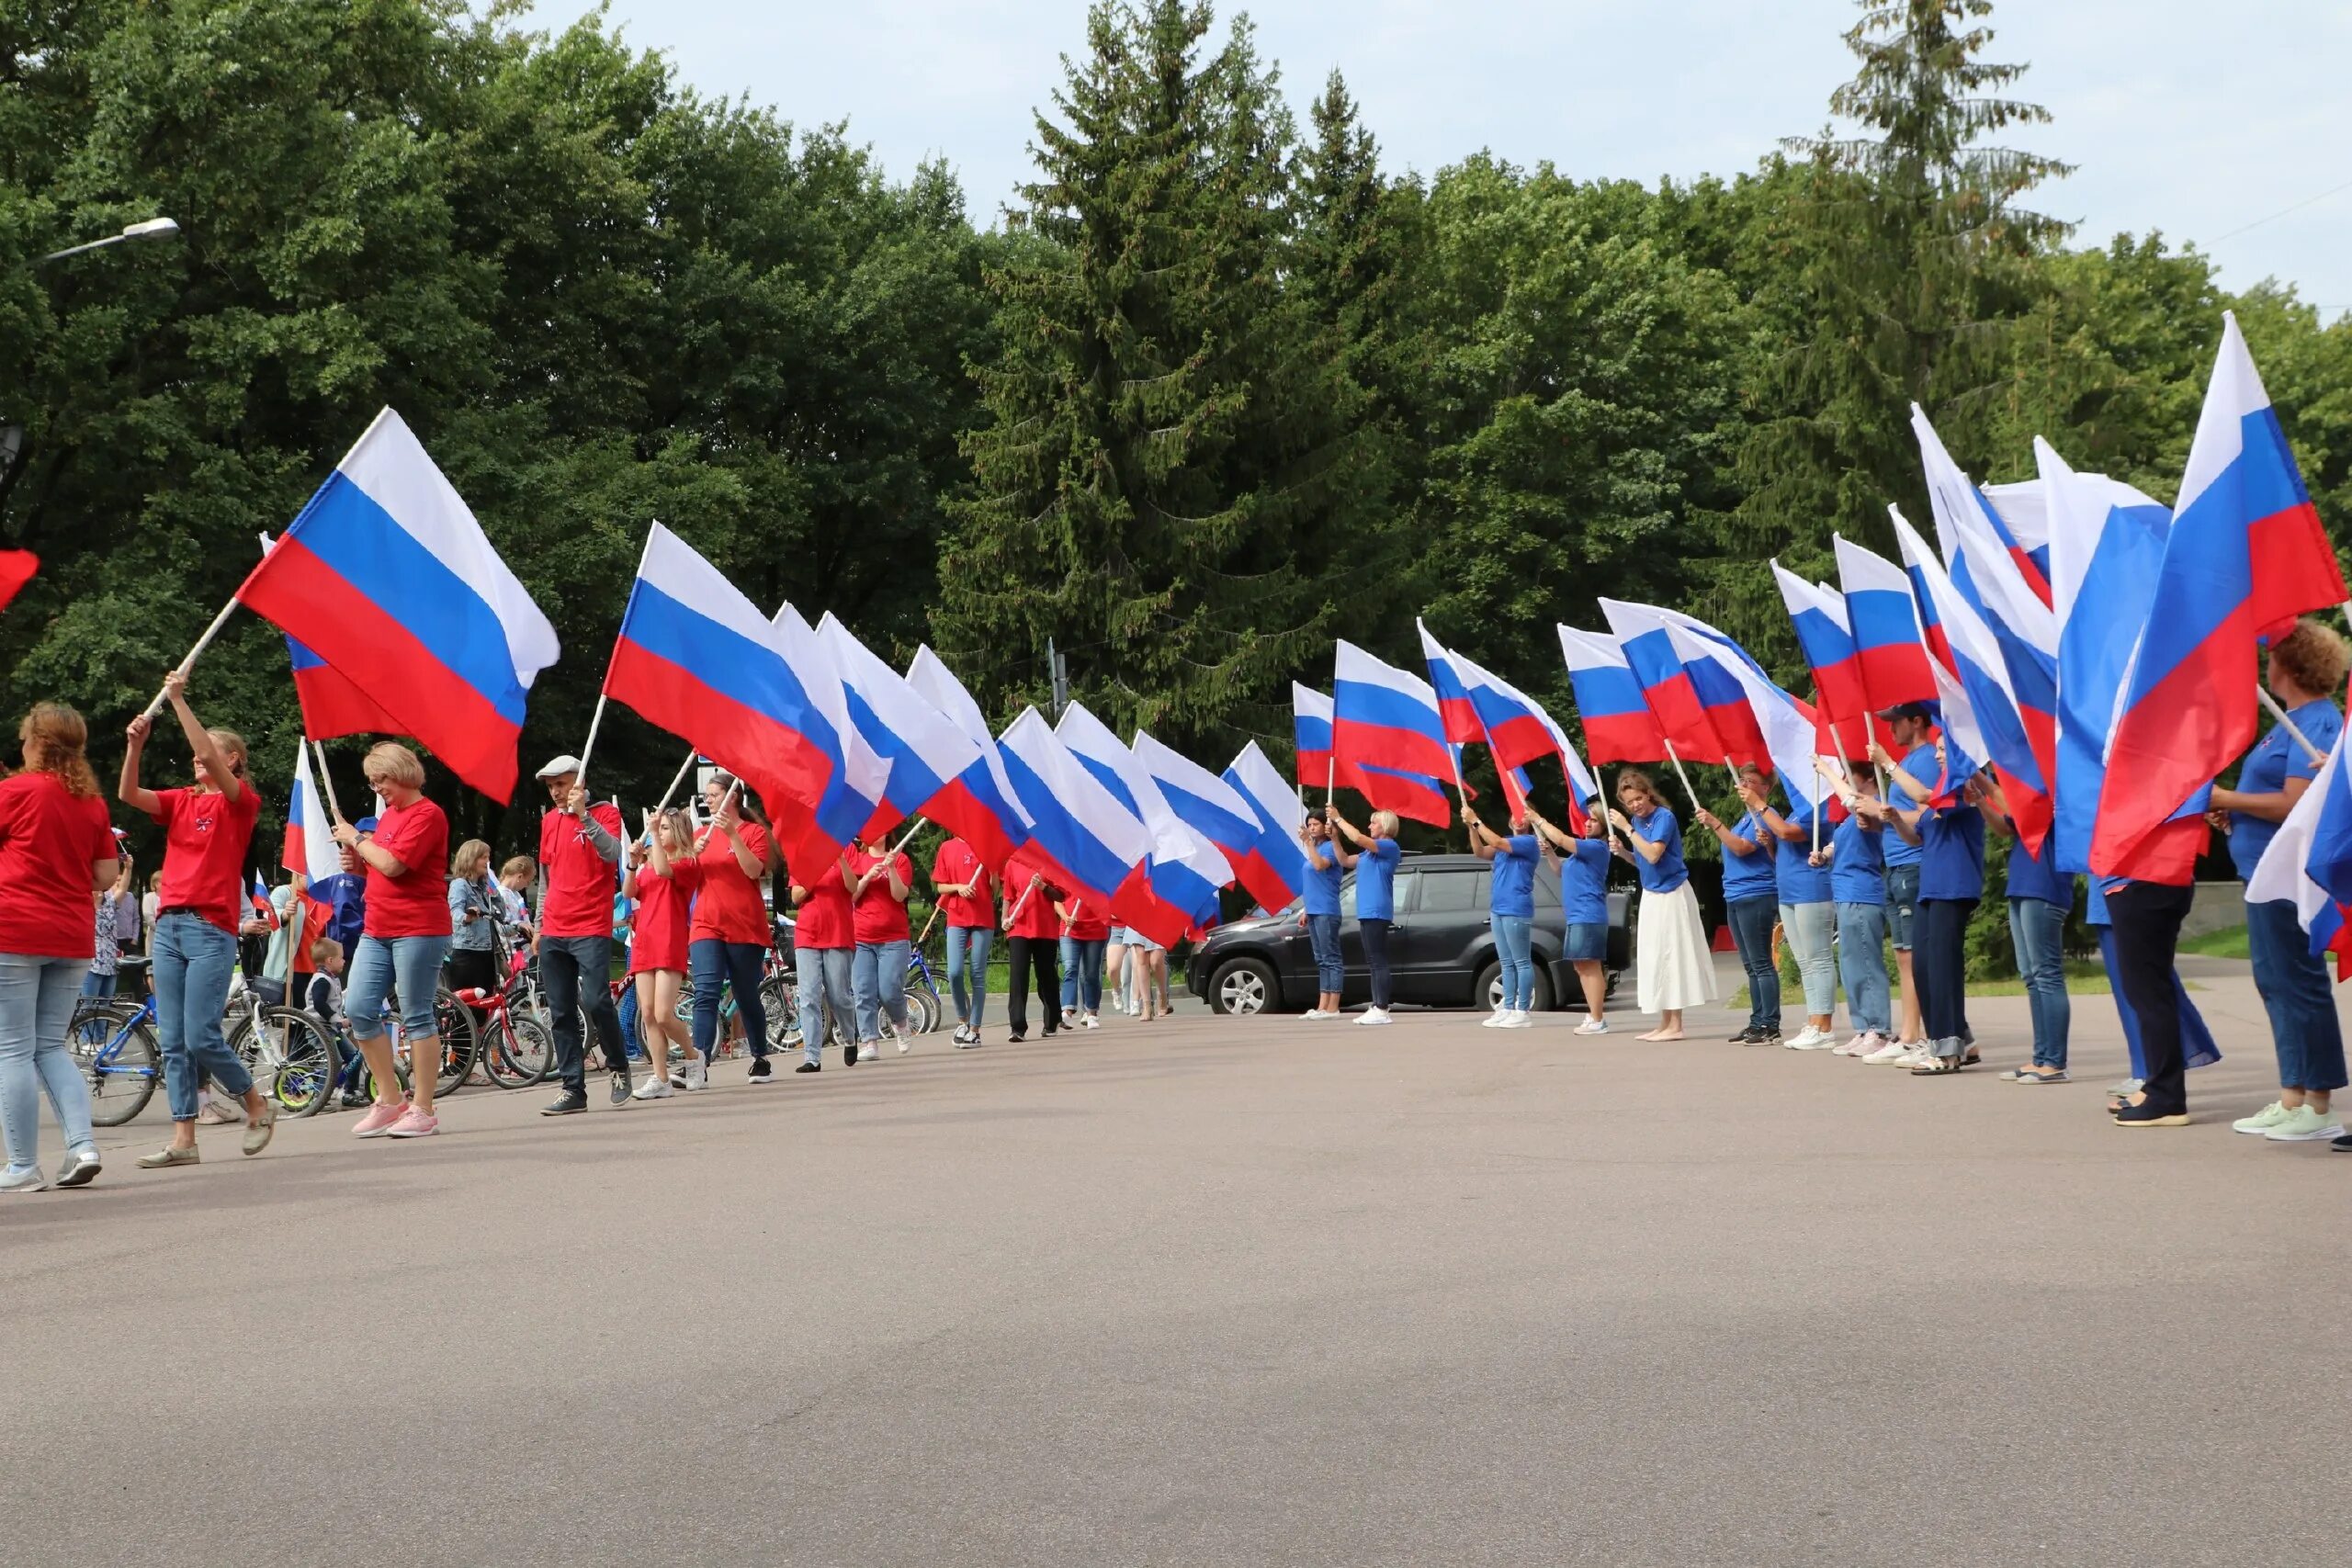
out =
column 1673, row 968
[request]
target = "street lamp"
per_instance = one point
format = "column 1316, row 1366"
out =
column 152, row 229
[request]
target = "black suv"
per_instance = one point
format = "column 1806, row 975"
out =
column 1441, row 950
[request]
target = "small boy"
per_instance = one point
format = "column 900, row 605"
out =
column 323, row 997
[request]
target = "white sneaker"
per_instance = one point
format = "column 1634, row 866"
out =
column 967, row 1039
column 1866, row 1043
column 1495, row 1019
column 1374, row 1016
column 694, row 1075
column 1812, row 1039
column 1515, row 1020
column 1916, row 1056
column 868, row 1049
column 1887, row 1055
column 654, row 1087
column 1593, row 1026
column 1091, row 1021
column 1311, row 1015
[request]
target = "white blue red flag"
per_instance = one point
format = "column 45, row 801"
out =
column 1273, row 861
column 1081, row 835
column 984, row 780
column 1819, row 613
column 1883, row 612
column 1977, row 714
column 1212, row 809
column 311, row 849
column 1618, row 724
column 1182, row 872
column 2308, row 861
column 1383, row 717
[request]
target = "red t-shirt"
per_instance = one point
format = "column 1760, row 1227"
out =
column 204, row 852
column 958, row 864
column 664, row 906
column 1086, row 922
column 878, row 916
column 1036, row 917
column 822, row 921
column 580, row 883
column 47, row 841
column 730, row 908
column 416, row 902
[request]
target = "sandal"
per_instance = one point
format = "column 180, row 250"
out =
column 1937, row 1066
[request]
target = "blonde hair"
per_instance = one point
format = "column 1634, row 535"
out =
column 326, row 947
column 395, row 763
column 469, row 852
column 521, row 865
column 1385, row 821
column 234, row 744
column 55, row 738
column 1634, row 778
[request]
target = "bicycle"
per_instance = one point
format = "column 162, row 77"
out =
column 287, row 1050
column 922, row 994
column 520, row 1050
column 113, row 1041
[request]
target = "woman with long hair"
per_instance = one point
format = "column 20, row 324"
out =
column 476, row 907
column 1751, row 904
column 1670, row 960
column 56, row 849
column 729, row 938
column 662, row 878
column 202, row 901
column 402, row 941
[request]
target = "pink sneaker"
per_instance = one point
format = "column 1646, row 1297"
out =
column 413, row 1124
column 380, row 1119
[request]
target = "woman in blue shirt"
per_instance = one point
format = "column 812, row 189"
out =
column 1858, row 885
column 1951, row 879
column 1672, row 966
column 1375, row 869
column 1584, row 908
column 1321, row 913
column 2305, row 665
column 1751, row 903
column 1808, row 918
column 1510, row 909
column 2040, row 900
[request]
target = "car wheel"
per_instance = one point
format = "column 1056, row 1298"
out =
column 1489, row 992
column 1244, row 989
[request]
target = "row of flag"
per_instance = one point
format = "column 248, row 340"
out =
column 2096, row 650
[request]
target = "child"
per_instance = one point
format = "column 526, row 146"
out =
column 322, row 998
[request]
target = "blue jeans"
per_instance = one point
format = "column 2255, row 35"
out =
column 2297, row 994
column 716, row 967
column 1751, row 932
column 1902, row 903
column 1085, row 972
column 1069, row 951
column 406, row 967
column 37, row 997
column 969, row 945
column 2038, row 930
column 1514, row 942
column 192, row 959
column 878, row 976
column 824, row 978
column 1323, row 936
column 1861, row 963
column 1809, row 928
column 97, row 984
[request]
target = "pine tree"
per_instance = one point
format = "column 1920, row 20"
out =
column 1163, row 473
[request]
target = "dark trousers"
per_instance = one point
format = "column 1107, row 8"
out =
column 475, row 970
column 1376, row 958
column 573, row 970
column 1939, row 968
column 1041, row 956
column 1751, row 932
column 2148, row 917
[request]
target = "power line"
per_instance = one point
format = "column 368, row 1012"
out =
column 2280, row 213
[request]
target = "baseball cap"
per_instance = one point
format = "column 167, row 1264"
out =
column 1904, row 710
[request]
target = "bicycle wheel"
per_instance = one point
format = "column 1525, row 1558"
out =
column 780, row 999
column 524, row 1056
column 123, row 1063
column 455, row 1025
column 306, row 1080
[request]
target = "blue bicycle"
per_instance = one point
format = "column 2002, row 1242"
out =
column 113, row 1042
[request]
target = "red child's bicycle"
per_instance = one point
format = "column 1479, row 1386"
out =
column 515, row 1050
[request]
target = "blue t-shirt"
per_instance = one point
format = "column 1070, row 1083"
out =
column 1794, row 876
column 1323, row 875
column 2032, row 878
column 1750, row 875
column 1584, row 884
column 1511, row 890
column 2274, row 759
column 1660, row 828
column 1951, row 854
column 1910, row 783
column 1858, row 867
column 1376, row 881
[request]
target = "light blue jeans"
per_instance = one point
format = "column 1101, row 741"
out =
column 2038, row 930
column 878, row 975
column 192, row 962
column 1861, row 960
column 408, row 968
column 1810, row 928
column 1514, row 940
column 969, row 945
column 825, row 976
column 37, row 997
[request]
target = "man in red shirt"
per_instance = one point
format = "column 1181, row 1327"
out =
column 580, row 852
column 878, row 919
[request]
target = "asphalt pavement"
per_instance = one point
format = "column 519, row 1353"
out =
column 1210, row 1291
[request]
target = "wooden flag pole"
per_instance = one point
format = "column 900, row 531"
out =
column 2300, row 738
column 595, row 721
column 1677, row 761
column 326, row 779
column 202, row 643
column 1018, row 905
column 704, row 837
column 683, row 769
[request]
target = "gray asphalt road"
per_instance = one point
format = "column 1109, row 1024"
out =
column 1209, row 1291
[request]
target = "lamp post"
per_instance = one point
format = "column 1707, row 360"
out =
column 152, row 229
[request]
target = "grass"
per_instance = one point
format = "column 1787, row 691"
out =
column 2228, row 942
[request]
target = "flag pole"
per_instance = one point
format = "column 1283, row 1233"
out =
column 202, row 643
column 2288, row 725
column 1679, row 774
column 326, row 779
column 732, row 790
column 905, row 838
column 595, row 722
column 1608, row 828
column 1018, row 905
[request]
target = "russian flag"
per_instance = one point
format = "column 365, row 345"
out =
column 2021, row 513
column 1212, row 808
column 1456, row 713
column 1618, row 724
column 1272, row 861
column 1668, row 688
column 258, row 896
column 1416, row 798
column 2106, row 542
column 1176, row 887
column 1818, row 614
column 2245, row 556
column 387, row 577
column 332, row 705
column 1518, row 731
column 1081, row 837
column 1385, row 717
column 860, row 788
column 1714, row 669
column 984, row 782
column 1883, row 612
column 699, row 659
column 1311, row 737
column 311, row 849
column 2309, row 861
column 1786, row 728
column 1409, row 794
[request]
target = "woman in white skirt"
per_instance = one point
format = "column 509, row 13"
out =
column 1671, row 963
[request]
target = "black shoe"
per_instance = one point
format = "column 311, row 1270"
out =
column 571, row 1102
column 2343, row 1146
column 1763, row 1037
column 1017, row 1036
column 849, row 1056
column 1745, row 1037
column 761, row 1071
column 809, row 1067
column 2147, row 1115
column 620, row 1088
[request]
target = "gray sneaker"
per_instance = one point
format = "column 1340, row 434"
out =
column 28, row 1179
column 620, row 1088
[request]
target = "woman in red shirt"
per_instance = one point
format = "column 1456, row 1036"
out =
column 970, row 908
column 1035, row 931
column 824, row 944
column 202, row 901
column 727, row 944
column 879, row 970
column 56, row 851
column 402, row 941
column 662, row 878
column 1088, row 929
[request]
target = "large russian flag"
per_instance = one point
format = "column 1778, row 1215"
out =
column 699, row 659
column 1083, row 839
column 1311, row 738
column 1273, row 861
column 1455, row 711
column 1818, row 614
column 389, row 580
column 1212, row 808
column 1383, row 717
column 858, row 792
column 1618, row 724
column 1716, row 668
column 2020, row 511
column 1518, row 731
column 1786, row 728
column 984, row 782
column 1175, row 890
column 1883, row 612
column 2245, row 556
column 1668, row 688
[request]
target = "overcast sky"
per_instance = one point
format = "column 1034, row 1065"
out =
column 2205, row 121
